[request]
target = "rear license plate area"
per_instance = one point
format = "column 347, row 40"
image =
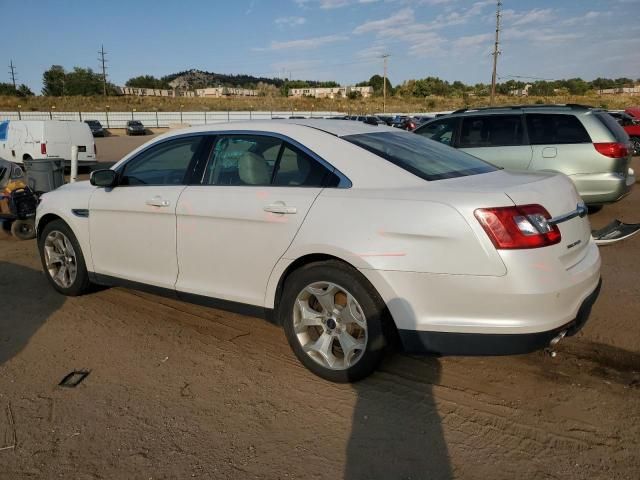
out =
column 82, row 148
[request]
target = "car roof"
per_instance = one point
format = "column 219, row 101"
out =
column 337, row 128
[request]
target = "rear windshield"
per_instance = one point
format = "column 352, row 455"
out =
column 613, row 126
column 424, row 158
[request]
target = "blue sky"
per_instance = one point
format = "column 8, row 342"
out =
column 338, row 40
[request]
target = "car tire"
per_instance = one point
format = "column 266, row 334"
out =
column 23, row 229
column 59, row 240
column 359, row 315
column 635, row 144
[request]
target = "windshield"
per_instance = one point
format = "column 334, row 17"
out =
column 135, row 123
column 424, row 158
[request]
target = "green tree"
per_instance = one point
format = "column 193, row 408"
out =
column 377, row 82
column 148, row 81
column 24, row 91
column 7, row 89
column 53, row 81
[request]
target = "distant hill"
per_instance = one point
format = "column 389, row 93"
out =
column 192, row 79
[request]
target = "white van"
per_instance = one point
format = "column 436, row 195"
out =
column 22, row 140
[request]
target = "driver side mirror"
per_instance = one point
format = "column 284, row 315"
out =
column 104, row 178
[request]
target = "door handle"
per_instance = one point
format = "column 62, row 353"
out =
column 158, row 202
column 280, row 207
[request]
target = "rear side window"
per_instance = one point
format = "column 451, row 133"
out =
column 491, row 131
column 297, row 169
column 613, row 126
column 441, row 130
column 424, row 158
column 548, row 128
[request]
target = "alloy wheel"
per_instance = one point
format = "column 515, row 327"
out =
column 60, row 259
column 330, row 325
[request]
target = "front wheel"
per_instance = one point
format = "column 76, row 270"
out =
column 333, row 319
column 62, row 259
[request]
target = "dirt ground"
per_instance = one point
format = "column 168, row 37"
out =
column 181, row 391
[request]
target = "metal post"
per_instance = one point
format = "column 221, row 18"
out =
column 50, row 115
column 157, row 122
column 74, row 164
column 80, row 115
column 495, row 53
column 132, row 114
column 205, row 117
column 106, row 113
column 228, row 116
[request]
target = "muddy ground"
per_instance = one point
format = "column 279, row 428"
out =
column 181, row 391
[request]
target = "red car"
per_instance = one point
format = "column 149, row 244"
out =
column 630, row 121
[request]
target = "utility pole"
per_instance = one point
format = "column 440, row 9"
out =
column 103, row 60
column 12, row 72
column 496, row 51
column 384, row 83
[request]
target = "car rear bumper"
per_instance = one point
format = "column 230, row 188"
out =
column 600, row 188
column 447, row 343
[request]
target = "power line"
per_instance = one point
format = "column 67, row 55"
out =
column 496, row 51
column 12, row 72
column 103, row 60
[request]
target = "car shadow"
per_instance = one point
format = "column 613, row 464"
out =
column 26, row 302
column 397, row 431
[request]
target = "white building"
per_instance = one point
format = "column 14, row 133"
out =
column 329, row 92
column 620, row 91
column 153, row 92
column 218, row 92
column 521, row 92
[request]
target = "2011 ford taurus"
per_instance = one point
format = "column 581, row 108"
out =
column 350, row 236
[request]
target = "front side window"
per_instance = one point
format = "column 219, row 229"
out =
column 491, row 131
column 424, row 158
column 263, row 160
column 550, row 129
column 165, row 163
column 441, row 131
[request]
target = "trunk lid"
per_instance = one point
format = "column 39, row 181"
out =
column 557, row 194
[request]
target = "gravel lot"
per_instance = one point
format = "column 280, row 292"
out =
column 179, row 391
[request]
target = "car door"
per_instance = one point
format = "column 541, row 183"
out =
column 132, row 226
column 498, row 139
column 234, row 226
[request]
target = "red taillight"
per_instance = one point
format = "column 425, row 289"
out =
column 612, row 149
column 518, row 227
column 43, row 148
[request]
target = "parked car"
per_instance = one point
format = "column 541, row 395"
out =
column 388, row 119
column 26, row 140
column 373, row 120
column 346, row 234
column 630, row 125
column 399, row 120
column 135, row 127
column 96, row 128
column 584, row 143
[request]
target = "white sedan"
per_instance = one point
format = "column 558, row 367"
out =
column 351, row 236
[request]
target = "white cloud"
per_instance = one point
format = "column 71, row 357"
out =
column 290, row 21
column 537, row 15
column 473, row 41
column 304, row 43
column 331, row 4
column 403, row 17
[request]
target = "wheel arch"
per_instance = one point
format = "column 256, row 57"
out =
column 45, row 220
column 391, row 330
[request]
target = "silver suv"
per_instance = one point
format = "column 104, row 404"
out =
column 584, row 143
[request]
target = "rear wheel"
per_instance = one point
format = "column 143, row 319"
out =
column 333, row 319
column 23, row 229
column 635, row 144
column 62, row 259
